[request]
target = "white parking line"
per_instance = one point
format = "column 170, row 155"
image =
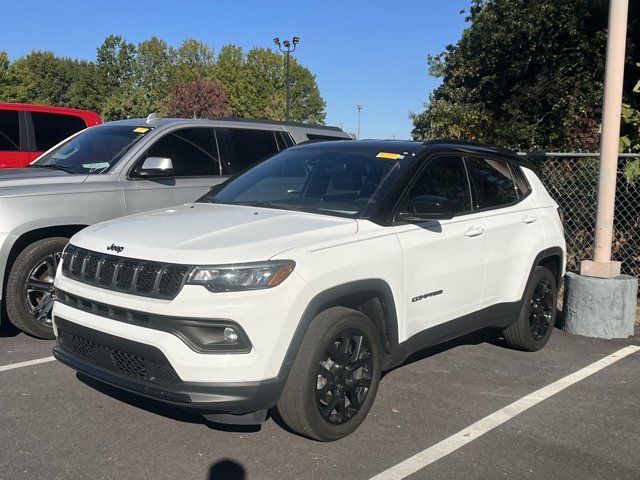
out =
column 12, row 366
column 469, row 434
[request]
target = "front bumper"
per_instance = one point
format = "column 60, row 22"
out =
column 144, row 370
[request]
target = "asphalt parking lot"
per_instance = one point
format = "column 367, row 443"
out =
column 56, row 425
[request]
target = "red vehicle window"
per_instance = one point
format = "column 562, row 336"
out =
column 9, row 131
column 51, row 128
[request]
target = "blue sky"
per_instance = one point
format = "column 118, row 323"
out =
column 368, row 52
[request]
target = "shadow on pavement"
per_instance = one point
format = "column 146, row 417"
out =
column 226, row 470
column 7, row 329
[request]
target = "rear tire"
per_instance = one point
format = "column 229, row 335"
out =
column 335, row 376
column 29, row 292
column 531, row 331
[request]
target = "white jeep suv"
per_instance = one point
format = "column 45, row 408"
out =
column 295, row 283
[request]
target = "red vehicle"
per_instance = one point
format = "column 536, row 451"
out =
column 28, row 130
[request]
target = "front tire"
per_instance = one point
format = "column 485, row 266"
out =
column 29, row 292
column 531, row 331
column 335, row 376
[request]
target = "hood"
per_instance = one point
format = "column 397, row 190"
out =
column 17, row 177
column 203, row 233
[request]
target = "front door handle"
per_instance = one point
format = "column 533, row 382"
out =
column 528, row 219
column 474, row 231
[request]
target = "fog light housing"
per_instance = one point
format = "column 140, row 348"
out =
column 230, row 335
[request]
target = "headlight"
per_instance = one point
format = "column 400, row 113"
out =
column 246, row 276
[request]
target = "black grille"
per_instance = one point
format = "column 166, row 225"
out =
column 107, row 269
column 119, row 361
column 147, row 278
column 91, row 266
column 137, row 277
column 125, row 275
column 171, row 279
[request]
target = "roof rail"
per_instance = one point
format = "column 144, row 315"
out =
column 280, row 122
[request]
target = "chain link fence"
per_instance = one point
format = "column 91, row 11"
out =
column 572, row 180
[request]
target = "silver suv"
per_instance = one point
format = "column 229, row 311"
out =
column 111, row 170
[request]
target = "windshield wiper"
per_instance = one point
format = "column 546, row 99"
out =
column 55, row 167
column 264, row 204
column 207, row 199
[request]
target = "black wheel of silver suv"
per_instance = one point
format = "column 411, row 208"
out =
column 335, row 376
column 29, row 292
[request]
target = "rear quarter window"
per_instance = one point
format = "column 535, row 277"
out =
column 51, row 128
column 492, row 183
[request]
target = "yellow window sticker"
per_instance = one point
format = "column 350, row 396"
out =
column 390, row 156
column 141, row 130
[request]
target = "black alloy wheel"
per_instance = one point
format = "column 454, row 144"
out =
column 535, row 322
column 344, row 376
column 335, row 376
column 541, row 310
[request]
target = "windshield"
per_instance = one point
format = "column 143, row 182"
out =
column 95, row 150
column 331, row 181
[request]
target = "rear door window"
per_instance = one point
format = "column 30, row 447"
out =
column 492, row 182
column 244, row 147
column 192, row 151
column 51, row 128
column 9, row 131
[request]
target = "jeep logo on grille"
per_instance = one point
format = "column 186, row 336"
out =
column 115, row 248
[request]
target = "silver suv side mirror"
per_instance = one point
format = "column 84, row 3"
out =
column 156, row 167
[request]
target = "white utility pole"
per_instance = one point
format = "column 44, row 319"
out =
column 360, row 107
column 602, row 266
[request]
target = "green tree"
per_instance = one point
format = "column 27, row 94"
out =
column 229, row 70
column 307, row 105
column 153, row 75
column 128, row 80
column 115, row 60
column 192, row 60
column 630, row 140
column 87, row 89
column 4, row 64
column 525, row 74
column 255, row 84
column 40, row 77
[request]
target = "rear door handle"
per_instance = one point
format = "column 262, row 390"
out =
column 529, row 219
column 474, row 231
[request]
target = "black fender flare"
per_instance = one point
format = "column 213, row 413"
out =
column 335, row 296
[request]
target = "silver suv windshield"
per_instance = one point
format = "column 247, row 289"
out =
column 93, row 151
column 342, row 182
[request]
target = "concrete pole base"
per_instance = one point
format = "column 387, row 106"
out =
column 600, row 307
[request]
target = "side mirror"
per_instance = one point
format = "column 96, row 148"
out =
column 427, row 207
column 156, row 167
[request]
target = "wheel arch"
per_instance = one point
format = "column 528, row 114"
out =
column 553, row 259
column 372, row 297
column 25, row 239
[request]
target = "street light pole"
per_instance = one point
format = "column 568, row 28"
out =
column 602, row 266
column 287, row 51
column 360, row 107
